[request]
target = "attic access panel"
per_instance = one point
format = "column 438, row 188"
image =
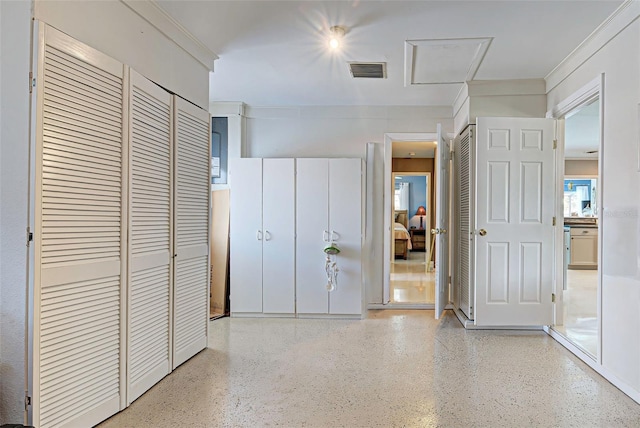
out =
column 443, row 61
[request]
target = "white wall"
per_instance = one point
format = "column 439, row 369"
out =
column 315, row 131
column 15, row 35
column 114, row 29
column 618, row 58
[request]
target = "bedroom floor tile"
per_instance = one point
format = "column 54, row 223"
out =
column 410, row 280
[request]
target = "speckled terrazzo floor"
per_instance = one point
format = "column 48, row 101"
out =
column 394, row 369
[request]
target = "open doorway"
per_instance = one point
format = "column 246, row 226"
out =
column 412, row 278
column 411, row 183
column 577, row 314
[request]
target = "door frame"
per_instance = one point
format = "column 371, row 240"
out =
column 592, row 90
column 388, row 195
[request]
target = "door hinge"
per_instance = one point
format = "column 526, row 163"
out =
column 553, row 297
column 554, row 221
column 27, row 401
column 32, row 82
column 555, row 144
column 29, row 235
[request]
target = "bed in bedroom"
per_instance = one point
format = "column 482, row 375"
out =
column 401, row 234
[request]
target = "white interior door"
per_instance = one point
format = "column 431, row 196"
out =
column 345, row 223
column 278, row 245
column 312, row 226
column 192, row 139
column 80, row 234
column 150, row 237
column 246, row 235
column 442, row 223
column 514, row 251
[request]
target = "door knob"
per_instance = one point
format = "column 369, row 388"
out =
column 482, row 232
column 434, row 231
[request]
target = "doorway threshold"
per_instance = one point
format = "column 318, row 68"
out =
column 395, row 305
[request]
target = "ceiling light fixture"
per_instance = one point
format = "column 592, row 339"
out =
column 336, row 34
column 412, row 153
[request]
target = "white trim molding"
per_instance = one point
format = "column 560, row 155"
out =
column 621, row 18
column 587, row 93
column 151, row 12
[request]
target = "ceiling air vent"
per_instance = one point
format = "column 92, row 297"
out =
column 369, row 70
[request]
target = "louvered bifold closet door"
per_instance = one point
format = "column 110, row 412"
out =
column 79, row 236
column 150, row 235
column 464, row 219
column 191, row 230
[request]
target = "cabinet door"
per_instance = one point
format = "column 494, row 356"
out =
column 278, row 245
column 246, row 235
column 312, row 224
column 345, row 222
column 192, row 144
column 584, row 250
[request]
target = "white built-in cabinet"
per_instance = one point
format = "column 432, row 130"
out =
column 121, row 232
column 262, row 238
column 329, row 209
column 284, row 212
column 584, row 248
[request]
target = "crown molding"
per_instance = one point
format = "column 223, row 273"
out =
column 151, row 12
column 621, row 18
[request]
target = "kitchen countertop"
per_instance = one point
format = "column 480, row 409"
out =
column 586, row 222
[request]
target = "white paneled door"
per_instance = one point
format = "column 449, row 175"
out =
column 80, row 234
column 246, row 235
column 442, row 223
column 192, row 136
column 514, row 222
column 278, row 244
column 150, row 235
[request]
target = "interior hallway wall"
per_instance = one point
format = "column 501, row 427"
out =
column 619, row 60
column 15, row 36
column 587, row 167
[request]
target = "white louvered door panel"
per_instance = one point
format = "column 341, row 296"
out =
column 191, row 230
column 79, row 237
column 465, row 223
column 150, row 235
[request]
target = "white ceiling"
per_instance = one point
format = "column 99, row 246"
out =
column 274, row 53
column 582, row 132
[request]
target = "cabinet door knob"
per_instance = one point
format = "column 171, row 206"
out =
column 259, row 235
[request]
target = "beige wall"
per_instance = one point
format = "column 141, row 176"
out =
column 587, row 167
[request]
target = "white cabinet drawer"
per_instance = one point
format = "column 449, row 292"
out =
column 584, row 231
